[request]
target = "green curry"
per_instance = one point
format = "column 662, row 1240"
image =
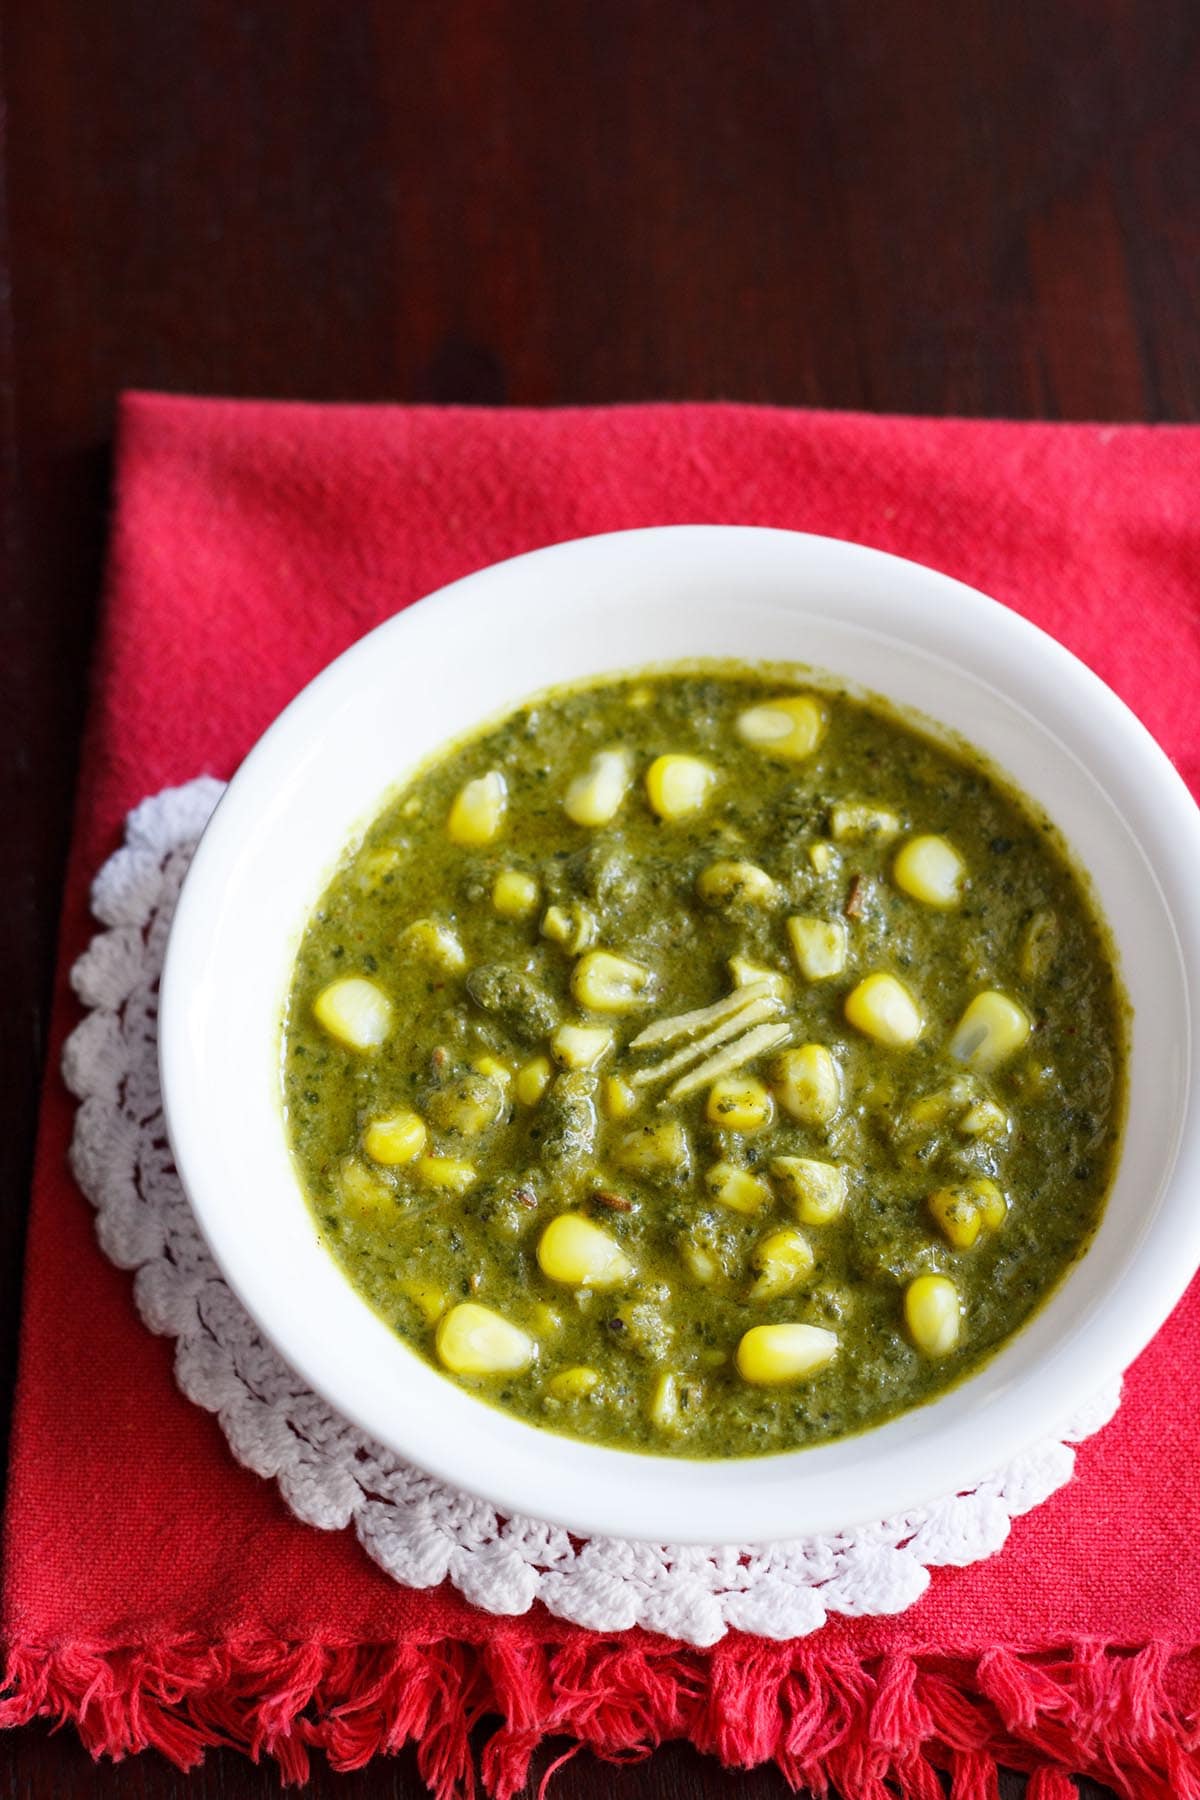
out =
column 700, row 1064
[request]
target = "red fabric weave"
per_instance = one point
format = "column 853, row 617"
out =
column 252, row 542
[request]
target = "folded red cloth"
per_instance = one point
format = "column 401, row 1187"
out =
column 155, row 1592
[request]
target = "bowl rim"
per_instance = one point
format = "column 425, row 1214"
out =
column 1099, row 1356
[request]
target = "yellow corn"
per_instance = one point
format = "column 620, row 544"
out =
column 426, row 1296
column 577, row 1253
column 823, row 857
column 514, row 896
column 664, row 1404
column 701, row 1264
column 734, row 883
column 620, row 1100
column 769, row 1355
column 957, row 1216
column 655, row 1149
column 783, row 1259
column 881, row 1007
column 478, row 810
column 447, row 1174
column 435, row 943
column 492, row 1067
column 678, row 786
column 739, row 1103
column 474, row 1340
column 545, row 1319
column 467, row 1106
column 931, row 870
column 573, row 1384
column 395, row 1140
column 819, row 946
column 816, row 1189
column 595, row 797
column 581, row 1046
column 532, row 1079
column 362, row 1190
column 985, row 1119
column 792, row 726
column 606, row 983
column 574, row 927
column 355, row 1012
column 992, row 1029
column 737, row 1188
column 852, row 822
column 933, row 1313
column 993, row 1207
column 807, row 1084
column 748, row 974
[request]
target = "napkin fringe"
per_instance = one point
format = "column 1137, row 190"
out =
column 871, row 1729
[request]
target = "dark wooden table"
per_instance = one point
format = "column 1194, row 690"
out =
column 990, row 207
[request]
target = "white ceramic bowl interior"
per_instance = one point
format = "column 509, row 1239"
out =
column 619, row 602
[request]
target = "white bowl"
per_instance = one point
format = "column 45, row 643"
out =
column 618, row 602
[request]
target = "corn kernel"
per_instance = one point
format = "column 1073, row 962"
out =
column 985, row 1119
column 362, row 1190
column 882, row 1008
column 933, row 1313
column 532, row 1079
column 853, row 822
column 478, row 810
column 819, row 946
column 665, row 1410
column 678, row 786
column 655, row 1150
column 573, row 1384
column 783, row 1259
column 769, row 1355
column 739, row 1103
column 467, row 1106
column 931, row 870
column 545, row 1319
column 734, row 883
column 792, row 726
column 823, row 857
column 514, row 895
column 620, row 1100
column 992, row 1029
column 435, row 943
column 748, row 974
column 493, row 1068
column 581, row 1046
column 993, row 1207
column 395, row 1140
column 607, row 983
column 808, row 1084
column 957, row 1216
column 474, row 1340
column 447, row 1174
column 426, row 1296
column 737, row 1188
column 701, row 1264
column 577, row 1253
column 595, row 797
column 574, row 927
column 355, row 1012
column 816, row 1189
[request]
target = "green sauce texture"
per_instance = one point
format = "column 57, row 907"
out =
column 441, row 1120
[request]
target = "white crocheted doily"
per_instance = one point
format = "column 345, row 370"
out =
column 329, row 1474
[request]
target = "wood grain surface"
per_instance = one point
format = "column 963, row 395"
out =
column 990, row 207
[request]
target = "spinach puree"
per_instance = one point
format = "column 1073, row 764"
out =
column 884, row 1138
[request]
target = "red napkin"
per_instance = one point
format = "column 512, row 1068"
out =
column 157, row 1594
